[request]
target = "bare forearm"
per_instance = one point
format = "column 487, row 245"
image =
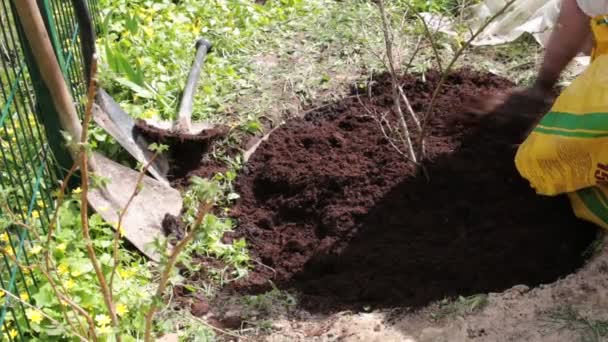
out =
column 570, row 36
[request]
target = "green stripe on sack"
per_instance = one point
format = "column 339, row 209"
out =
column 570, row 134
column 590, row 198
column 588, row 121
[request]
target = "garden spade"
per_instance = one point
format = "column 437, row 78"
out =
column 108, row 114
column 134, row 136
column 141, row 223
column 182, row 127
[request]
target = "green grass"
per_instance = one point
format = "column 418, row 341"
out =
column 590, row 329
column 460, row 306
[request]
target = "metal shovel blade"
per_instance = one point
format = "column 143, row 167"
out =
column 110, row 116
column 142, row 221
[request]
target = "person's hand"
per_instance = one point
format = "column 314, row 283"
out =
column 527, row 101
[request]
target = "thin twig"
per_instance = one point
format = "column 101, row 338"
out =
column 388, row 138
column 396, row 100
column 204, row 208
column 58, row 294
column 48, row 264
column 409, row 108
column 117, row 234
column 414, row 54
column 50, row 267
column 221, row 331
column 84, row 207
column 72, row 304
column 429, row 35
column 429, row 113
column 82, row 338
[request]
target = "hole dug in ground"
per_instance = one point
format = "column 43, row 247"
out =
column 341, row 217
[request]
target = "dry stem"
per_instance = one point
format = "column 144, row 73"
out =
column 395, row 87
column 429, row 113
column 429, row 35
column 82, row 338
column 221, row 331
column 47, row 253
column 84, row 207
column 117, row 234
column 49, row 267
column 203, row 209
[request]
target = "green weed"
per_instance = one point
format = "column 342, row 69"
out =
column 460, row 306
column 591, row 330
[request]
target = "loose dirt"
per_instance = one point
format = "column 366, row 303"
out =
column 333, row 210
column 186, row 150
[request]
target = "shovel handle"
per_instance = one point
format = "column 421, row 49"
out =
column 184, row 115
column 44, row 55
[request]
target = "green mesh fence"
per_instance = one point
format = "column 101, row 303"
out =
column 32, row 156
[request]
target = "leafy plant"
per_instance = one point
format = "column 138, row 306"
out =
column 461, row 306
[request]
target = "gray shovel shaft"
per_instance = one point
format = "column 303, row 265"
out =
column 184, row 114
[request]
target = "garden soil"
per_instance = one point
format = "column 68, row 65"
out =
column 187, row 151
column 330, row 208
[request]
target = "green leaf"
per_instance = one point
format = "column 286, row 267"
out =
column 81, row 266
column 106, row 259
column 138, row 90
column 45, row 296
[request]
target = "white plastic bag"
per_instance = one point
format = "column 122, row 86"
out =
column 536, row 17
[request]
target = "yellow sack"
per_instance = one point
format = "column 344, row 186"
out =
column 567, row 152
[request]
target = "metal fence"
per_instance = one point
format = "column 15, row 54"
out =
column 32, row 157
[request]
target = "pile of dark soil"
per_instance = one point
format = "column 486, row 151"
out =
column 334, row 211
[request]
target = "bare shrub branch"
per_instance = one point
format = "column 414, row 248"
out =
column 388, row 40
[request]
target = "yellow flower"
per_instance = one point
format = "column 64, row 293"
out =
column 195, row 28
column 77, row 191
column 102, row 320
column 61, row 247
column 9, row 131
column 35, row 214
column 104, row 329
column 2, row 294
column 121, row 309
column 121, row 231
column 69, row 284
column 34, row 315
column 35, row 250
column 62, row 269
column 63, row 302
column 24, row 296
column 4, row 237
column 149, row 114
column 13, row 139
column 8, row 251
column 29, row 282
column 125, row 274
column 40, row 203
column 12, row 333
